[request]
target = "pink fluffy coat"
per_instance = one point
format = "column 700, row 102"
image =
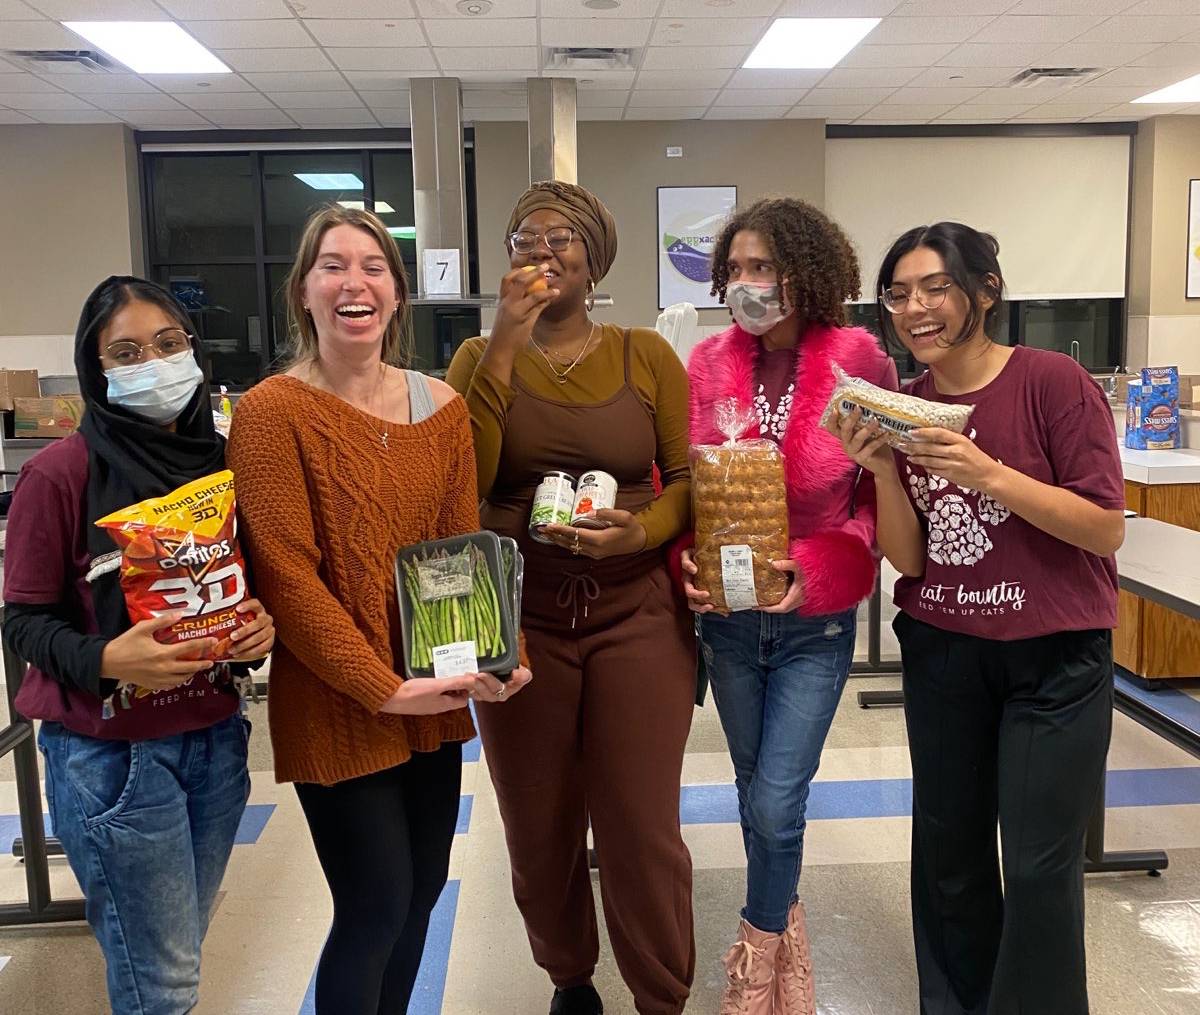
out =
column 835, row 552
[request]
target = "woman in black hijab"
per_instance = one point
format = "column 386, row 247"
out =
column 144, row 743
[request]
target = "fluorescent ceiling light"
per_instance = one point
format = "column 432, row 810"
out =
column 330, row 181
column 1187, row 90
column 381, row 207
column 403, row 232
column 809, row 43
column 149, row 47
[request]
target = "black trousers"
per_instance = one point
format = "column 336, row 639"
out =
column 384, row 844
column 1015, row 732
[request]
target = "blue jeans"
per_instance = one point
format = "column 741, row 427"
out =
column 777, row 680
column 148, row 827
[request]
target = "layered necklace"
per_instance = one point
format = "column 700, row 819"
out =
column 561, row 375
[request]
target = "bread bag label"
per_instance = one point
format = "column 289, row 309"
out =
column 737, row 577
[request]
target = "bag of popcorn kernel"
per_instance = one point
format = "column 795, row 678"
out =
column 897, row 414
column 739, row 500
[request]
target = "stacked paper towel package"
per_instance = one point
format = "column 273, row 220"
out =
column 1152, row 410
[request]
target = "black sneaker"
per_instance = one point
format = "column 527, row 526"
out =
column 581, row 1000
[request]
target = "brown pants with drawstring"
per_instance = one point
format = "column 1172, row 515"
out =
column 599, row 734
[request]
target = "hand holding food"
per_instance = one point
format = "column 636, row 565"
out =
column 524, row 294
column 139, row 658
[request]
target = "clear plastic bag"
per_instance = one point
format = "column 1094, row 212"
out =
column 739, row 502
column 897, row 414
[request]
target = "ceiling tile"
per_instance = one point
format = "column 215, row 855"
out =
column 686, row 57
column 513, row 115
column 183, row 83
column 1175, row 54
column 1099, row 54
column 446, row 8
column 523, row 58
column 120, row 103
column 393, row 117
column 1070, row 110
column 1099, row 7
column 37, row 35
column 400, row 59
column 227, row 100
column 482, row 32
column 1141, row 77
column 847, row 96
column 812, row 111
column 684, row 113
column 1038, row 28
column 334, row 117
column 266, row 60
column 596, row 79
column 91, row 84
column 1142, row 110
column 36, row 83
column 699, row 78
column 897, row 56
column 1155, row 29
column 312, row 81
column 1008, row 96
column 315, row 100
column 838, row 8
column 931, row 96
column 9, row 116
column 988, row 54
column 1095, row 93
column 392, row 32
column 760, row 97
column 702, row 31
column 669, row 97
column 378, row 81
column 601, row 113
column 955, row 118
column 225, row 10
column 673, row 9
column 508, row 98
column 151, row 118
column 387, row 100
column 1004, row 111
column 893, row 113
column 1155, row 7
column 15, row 10
column 232, row 119
column 249, row 34
column 388, row 10
column 605, row 98
column 101, row 10
column 921, row 31
column 65, row 116
column 964, row 77
column 629, row 32
column 628, row 9
column 478, row 76
column 952, row 8
column 735, row 113
column 878, row 77
column 759, row 78
column 43, row 100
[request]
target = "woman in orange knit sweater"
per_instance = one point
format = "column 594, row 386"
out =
column 341, row 461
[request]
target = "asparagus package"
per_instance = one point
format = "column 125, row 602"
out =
column 457, row 601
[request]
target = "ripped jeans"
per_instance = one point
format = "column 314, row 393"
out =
column 777, row 680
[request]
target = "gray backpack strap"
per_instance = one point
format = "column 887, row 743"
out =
column 420, row 398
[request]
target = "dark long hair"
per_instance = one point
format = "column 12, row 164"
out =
column 972, row 262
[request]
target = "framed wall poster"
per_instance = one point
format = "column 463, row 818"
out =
column 1193, row 241
column 689, row 219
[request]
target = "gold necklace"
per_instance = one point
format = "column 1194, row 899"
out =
column 562, row 377
column 367, row 418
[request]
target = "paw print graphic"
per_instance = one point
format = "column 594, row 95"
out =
column 992, row 511
column 955, row 535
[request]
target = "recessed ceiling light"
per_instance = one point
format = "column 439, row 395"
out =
column 330, row 181
column 149, row 47
column 602, row 5
column 802, row 43
column 1187, row 90
column 403, row 232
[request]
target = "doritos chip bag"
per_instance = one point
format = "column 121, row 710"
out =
column 180, row 552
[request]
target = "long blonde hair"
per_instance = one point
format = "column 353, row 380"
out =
column 397, row 336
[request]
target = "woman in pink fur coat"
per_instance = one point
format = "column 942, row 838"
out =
column 777, row 673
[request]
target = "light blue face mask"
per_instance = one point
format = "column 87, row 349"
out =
column 158, row 390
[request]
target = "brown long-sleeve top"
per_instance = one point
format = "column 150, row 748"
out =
column 324, row 508
column 657, row 375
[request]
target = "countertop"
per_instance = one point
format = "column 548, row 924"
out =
column 1161, row 562
column 1156, row 468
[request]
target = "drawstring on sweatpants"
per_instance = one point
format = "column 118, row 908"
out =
column 575, row 587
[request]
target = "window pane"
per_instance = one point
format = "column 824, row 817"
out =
column 290, row 200
column 394, row 204
column 203, row 207
column 222, row 300
column 438, row 332
column 1059, row 324
column 276, row 280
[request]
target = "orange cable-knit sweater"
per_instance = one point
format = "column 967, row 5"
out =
column 324, row 508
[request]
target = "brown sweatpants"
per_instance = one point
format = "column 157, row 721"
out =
column 600, row 734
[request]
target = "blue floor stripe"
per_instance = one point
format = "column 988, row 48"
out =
column 430, row 987
column 464, row 815
column 1170, row 701
column 890, row 798
column 471, row 749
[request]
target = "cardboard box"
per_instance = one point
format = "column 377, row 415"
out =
column 17, row 384
column 1152, row 417
column 47, row 417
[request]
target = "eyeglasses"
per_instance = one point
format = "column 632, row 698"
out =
column 930, row 297
column 169, row 342
column 557, row 239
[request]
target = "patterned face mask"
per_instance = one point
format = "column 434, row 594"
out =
column 756, row 308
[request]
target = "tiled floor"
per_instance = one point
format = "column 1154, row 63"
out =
column 1143, row 933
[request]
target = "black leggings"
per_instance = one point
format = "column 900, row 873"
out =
column 384, row 844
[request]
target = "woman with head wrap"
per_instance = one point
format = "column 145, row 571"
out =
column 600, row 735
column 145, row 785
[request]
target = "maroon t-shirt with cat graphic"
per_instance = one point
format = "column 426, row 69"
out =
column 989, row 573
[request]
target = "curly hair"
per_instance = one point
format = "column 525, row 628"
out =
column 812, row 256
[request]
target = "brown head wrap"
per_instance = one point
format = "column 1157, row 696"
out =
column 583, row 209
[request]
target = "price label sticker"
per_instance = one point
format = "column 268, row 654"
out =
column 440, row 272
column 737, row 577
column 455, row 659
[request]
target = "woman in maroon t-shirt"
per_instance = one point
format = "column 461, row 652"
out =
column 145, row 789
column 1004, row 537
